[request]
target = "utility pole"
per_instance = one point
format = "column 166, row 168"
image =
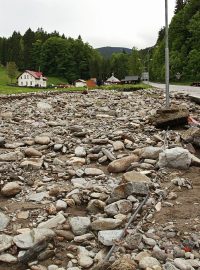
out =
column 166, row 55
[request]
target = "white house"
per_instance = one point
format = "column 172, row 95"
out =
column 80, row 83
column 32, row 79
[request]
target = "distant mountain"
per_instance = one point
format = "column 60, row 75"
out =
column 108, row 51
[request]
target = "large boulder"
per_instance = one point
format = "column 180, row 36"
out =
column 151, row 152
column 175, row 158
column 192, row 135
column 11, row 189
column 122, row 164
column 80, row 225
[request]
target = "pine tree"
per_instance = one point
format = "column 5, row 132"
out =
column 179, row 6
column 11, row 70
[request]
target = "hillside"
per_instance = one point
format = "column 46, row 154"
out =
column 108, row 51
column 184, row 45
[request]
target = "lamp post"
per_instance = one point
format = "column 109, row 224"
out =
column 166, row 55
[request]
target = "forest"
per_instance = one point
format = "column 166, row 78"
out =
column 57, row 55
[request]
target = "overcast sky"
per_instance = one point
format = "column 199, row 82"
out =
column 125, row 23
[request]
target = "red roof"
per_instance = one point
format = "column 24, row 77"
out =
column 36, row 74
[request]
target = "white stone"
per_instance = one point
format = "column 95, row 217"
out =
column 28, row 239
column 148, row 262
column 5, row 242
column 175, row 158
column 93, row 171
column 61, row 205
column 4, row 220
column 7, row 258
column 182, row 264
column 108, row 237
column 53, row 222
column 80, row 151
column 80, row 225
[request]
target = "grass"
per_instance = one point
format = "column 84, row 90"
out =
column 8, row 90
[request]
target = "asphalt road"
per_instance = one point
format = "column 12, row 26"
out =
column 193, row 91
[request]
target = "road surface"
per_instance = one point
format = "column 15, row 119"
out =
column 193, row 91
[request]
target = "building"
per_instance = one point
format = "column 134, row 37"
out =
column 31, row 78
column 112, row 80
column 92, row 82
column 80, row 83
column 145, row 76
column 131, row 80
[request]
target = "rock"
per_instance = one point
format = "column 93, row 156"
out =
column 121, row 165
column 57, row 147
column 11, row 156
column 93, row 171
column 169, row 266
column 151, row 152
column 83, row 257
column 32, row 152
column 37, row 197
column 133, row 240
column 5, row 242
column 96, row 206
column 134, row 176
column 53, row 222
column 142, row 255
column 118, row 145
column 108, row 237
column 43, row 140
column 127, row 189
column 159, row 254
column 66, row 234
column 148, row 262
column 76, row 161
column 4, row 220
column 61, row 205
column 108, row 154
column 8, row 258
column 2, row 141
column 149, row 241
column 83, row 238
column 102, row 224
column 80, row 225
column 11, row 189
column 80, row 151
column 175, row 158
column 53, row 267
column 182, row 264
column 192, row 135
column 34, row 163
column 124, row 263
column 79, row 182
column 174, row 116
column 119, row 207
column 44, row 106
column 29, row 239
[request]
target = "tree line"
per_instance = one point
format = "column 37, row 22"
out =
column 57, row 55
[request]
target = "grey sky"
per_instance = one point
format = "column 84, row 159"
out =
column 124, row 23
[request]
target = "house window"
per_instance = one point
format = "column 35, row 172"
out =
column 27, row 77
column 30, row 82
column 24, row 76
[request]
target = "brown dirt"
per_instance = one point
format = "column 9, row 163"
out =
column 186, row 212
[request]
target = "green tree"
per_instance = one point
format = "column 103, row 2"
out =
column 179, row 6
column 134, row 64
column 11, row 69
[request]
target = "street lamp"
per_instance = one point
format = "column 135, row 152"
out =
column 166, row 55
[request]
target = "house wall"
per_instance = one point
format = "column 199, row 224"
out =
column 80, row 84
column 26, row 79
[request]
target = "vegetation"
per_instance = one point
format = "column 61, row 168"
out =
column 184, row 45
column 11, row 70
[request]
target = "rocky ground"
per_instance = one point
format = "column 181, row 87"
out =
column 74, row 168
